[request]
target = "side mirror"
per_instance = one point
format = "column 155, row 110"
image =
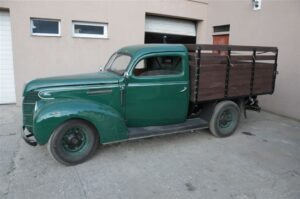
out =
column 101, row 68
column 126, row 75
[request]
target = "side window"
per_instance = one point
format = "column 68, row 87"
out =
column 45, row 27
column 158, row 65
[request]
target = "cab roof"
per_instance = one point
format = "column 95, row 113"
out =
column 136, row 50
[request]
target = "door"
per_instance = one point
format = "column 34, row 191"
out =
column 221, row 40
column 169, row 30
column 157, row 91
column 7, row 82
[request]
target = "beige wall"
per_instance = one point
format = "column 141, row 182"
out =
column 276, row 24
column 50, row 56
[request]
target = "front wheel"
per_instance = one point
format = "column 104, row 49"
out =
column 73, row 142
column 225, row 119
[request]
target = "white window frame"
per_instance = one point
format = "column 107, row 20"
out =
column 103, row 36
column 45, row 34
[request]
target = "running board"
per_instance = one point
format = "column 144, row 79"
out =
column 151, row 131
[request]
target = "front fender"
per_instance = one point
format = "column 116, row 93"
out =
column 50, row 114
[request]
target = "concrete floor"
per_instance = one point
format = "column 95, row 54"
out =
column 262, row 163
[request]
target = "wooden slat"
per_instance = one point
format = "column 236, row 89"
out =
column 211, row 82
column 265, row 57
column 263, row 78
column 266, row 66
column 193, row 47
column 241, row 57
column 192, row 56
column 211, row 94
column 213, row 57
column 239, row 80
column 213, row 67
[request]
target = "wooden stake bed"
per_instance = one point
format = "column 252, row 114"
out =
column 227, row 71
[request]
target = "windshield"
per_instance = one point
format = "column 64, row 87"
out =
column 118, row 63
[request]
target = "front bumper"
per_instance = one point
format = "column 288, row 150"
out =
column 28, row 138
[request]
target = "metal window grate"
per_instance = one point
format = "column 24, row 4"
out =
column 223, row 28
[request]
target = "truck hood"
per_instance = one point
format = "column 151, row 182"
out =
column 72, row 80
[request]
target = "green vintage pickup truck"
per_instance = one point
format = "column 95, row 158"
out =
column 145, row 91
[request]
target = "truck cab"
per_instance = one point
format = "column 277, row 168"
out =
column 155, row 84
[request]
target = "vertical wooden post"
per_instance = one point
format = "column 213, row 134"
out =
column 198, row 62
column 252, row 72
column 275, row 70
column 227, row 72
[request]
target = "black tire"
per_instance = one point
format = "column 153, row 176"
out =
column 225, row 119
column 73, row 142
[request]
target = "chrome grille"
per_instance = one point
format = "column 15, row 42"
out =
column 28, row 108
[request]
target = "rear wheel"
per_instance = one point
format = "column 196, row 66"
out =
column 73, row 142
column 225, row 119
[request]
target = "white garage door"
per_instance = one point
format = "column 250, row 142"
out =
column 7, row 83
column 170, row 26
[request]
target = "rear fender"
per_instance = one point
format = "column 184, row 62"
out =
column 50, row 114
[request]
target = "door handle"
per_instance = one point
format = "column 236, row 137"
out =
column 184, row 89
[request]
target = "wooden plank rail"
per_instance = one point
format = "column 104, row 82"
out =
column 193, row 47
column 230, row 71
column 241, row 57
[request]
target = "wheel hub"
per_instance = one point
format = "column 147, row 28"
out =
column 74, row 140
column 225, row 119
